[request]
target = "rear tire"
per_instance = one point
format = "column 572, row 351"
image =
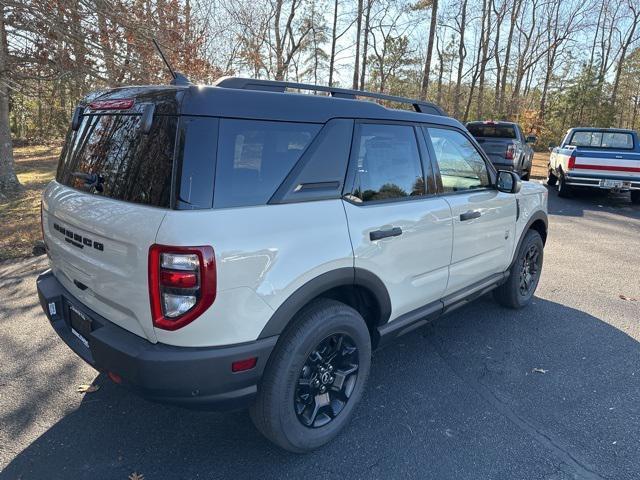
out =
column 291, row 409
column 551, row 179
column 564, row 190
column 526, row 175
column 635, row 196
column 524, row 274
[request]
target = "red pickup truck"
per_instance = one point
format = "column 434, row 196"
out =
column 604, row 158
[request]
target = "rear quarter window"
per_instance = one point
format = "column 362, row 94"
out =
column 254, row 157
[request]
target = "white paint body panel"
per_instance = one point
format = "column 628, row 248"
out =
column 263, row 255
column 481, row 246
column 116, row 278
column 413, row 266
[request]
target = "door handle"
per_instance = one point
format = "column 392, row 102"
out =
column 380, row 234
column 470, row 215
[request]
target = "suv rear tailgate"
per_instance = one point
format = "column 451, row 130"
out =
column 98, row 250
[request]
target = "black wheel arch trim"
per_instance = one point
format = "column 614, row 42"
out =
column 347, row 276
column 537, row 216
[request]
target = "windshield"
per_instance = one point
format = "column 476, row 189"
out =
column 483, row 130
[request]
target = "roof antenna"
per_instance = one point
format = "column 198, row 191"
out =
column 177, row 77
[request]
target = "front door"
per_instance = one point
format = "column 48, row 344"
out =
column 484, row 219
column 400, row 230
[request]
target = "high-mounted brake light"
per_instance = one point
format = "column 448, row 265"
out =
column 182, row 284
column 119, row 104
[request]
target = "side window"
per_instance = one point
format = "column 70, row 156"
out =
column 387, row 163
column 254, row 157
column 461, row 166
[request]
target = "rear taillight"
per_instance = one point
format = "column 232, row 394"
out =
column 572, row 161
column 182, row 284
column 511, row 150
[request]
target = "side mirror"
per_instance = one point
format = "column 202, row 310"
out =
column 531, row 139
column 508, row 182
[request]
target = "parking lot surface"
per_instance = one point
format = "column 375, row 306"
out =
column 548, row 392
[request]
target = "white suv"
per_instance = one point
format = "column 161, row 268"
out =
column 240, row 245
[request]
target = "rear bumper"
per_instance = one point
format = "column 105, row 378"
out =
column 593, row 180
column 190, row 377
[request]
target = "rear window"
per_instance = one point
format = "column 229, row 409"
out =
column 254, row 157
column 109, row 155
column 600, row 139
column 482, row 130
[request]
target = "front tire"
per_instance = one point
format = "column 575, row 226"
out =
column 524, row 274
column 314, row 378
column 552, row 179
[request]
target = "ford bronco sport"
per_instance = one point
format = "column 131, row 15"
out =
column 244, row 245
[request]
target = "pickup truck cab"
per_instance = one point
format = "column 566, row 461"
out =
column 240, row 245
column 604, row 158
column 505, row 144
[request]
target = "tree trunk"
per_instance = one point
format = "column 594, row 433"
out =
column 503, row 81
column 427, row 64
column 484, row 39
column 334, row 38
column 9, row 184
column 356, row 66
column 623, row 52
column 365, row 44
column 462, row 53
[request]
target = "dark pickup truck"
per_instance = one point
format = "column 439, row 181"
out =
column 505, row 144
column 602, row 158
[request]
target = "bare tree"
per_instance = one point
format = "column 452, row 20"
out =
column 9, row 184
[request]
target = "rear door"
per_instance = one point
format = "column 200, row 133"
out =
column 399, row 229
column 483, row 218
column 102, row 213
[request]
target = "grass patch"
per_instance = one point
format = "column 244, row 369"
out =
column 20, row 217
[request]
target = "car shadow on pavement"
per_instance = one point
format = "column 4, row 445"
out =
column 592, row 201
column 544, row 392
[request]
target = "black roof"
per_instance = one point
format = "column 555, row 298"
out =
column 234, row 97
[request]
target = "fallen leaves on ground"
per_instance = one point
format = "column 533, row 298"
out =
column 136, row 476
column 87, row 388
column 539, row 370
column 624, row 297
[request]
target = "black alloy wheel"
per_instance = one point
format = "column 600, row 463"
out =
column 530, row 270
column 326, row 381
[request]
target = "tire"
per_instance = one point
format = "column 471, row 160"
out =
column 564, row 190
column 526, row 174
column 551, row 179
column 635, row 196
column 511, row 294
column 286, row 409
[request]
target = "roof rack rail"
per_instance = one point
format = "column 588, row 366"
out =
column 281, row 86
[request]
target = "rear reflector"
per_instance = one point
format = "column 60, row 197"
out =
column 115, row 378
column 178, row 279
column 120, row 104
column 243, row 365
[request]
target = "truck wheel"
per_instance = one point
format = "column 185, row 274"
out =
column 314, row 378
column 551, row 179
column 635, row 196
column 564, row 190
column 524, row 274
column 525, row 175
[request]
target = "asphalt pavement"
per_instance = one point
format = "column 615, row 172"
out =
column 548, row 392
